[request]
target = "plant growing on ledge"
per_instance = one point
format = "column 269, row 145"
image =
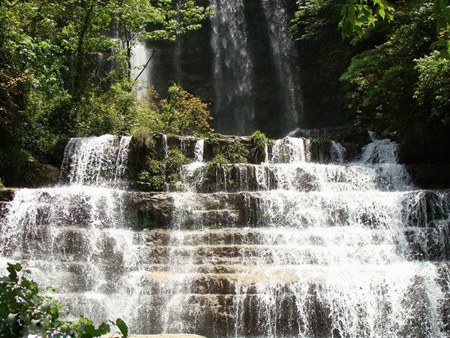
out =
column 260, row 141
column 25, row 311
column 180, row 113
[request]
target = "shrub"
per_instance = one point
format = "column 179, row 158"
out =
column 236, row 152
column 433, row 87
column 181, row 113
column 24, row 311
column 259, row 141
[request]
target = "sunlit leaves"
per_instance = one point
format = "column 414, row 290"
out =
column 359, row 16
column 380, row 82
column 180, row 113
column 313, row 17
column 179, row 17
column 433, row 86
column 442, row 18
column 24, row 311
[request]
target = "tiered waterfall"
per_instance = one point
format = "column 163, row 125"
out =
column 289, row 247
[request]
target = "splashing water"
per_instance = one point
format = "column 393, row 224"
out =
column 324, row 251
column 232, row 67
column 96, row 160
column 291, row 150
column 74, row 237
column 285, row 248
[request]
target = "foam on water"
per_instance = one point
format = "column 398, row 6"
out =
column 286, row 248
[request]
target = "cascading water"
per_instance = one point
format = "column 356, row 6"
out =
column 141, row 68
column 284, row 55
column 96, row 160
column 73, row 237
column 330, row 256
column 232, row 67
column 285, row 248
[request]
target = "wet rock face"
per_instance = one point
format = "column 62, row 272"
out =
column 213, row 62
column 285, row 247
column 225, row 163
column 149, row 210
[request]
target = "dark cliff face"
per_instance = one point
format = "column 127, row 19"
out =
column 293, row 84
column 191, row 63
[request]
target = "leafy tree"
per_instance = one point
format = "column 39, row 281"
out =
column 162, row 20
column 24, row 311
column 180, row 113
column 54, row 79
column 358, row 16
column 380, row 82
column 433, row 86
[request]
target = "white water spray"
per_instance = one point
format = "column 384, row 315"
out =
column 284, row 55
column 232, row 65
column 142, row 67
column 292, row 248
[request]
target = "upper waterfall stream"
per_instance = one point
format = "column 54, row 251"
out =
column 285, row 248
column 243, row 62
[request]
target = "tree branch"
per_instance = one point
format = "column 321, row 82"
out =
column 146, row 64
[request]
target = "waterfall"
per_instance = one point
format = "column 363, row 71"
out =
column 286, row 248
column 291, row 150
column 285, row 60
column 325, row 250
column 140, row 55
column 232, row 67
column 337, row 152
column 249, row 73
column 74, row 237
column 96, row 160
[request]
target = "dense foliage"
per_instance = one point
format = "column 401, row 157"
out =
column 180, row 113
column 65, row 71
column 25, row 310
column 393, row 72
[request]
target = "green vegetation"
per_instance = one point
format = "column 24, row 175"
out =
column 225, row 151
column 433, row 86
column 158, row 172
column 259, row 143
column 235, row 152
column 61, row 75
column 181, row 113
column 259, row 139
column 24, row 311
column 391, row 76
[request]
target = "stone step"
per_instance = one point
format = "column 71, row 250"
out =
column 278, row 208
column 296, row 299
column 300, row 176
column 207, row 218
column 157, row 147
column 230, row 245
column 376, row 210
column 274, row 255
column 211, row 268
column 274, row 236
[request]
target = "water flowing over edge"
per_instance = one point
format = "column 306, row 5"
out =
column 336, row 254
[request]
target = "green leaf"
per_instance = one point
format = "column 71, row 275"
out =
column 122, row 327
column 381, row 12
